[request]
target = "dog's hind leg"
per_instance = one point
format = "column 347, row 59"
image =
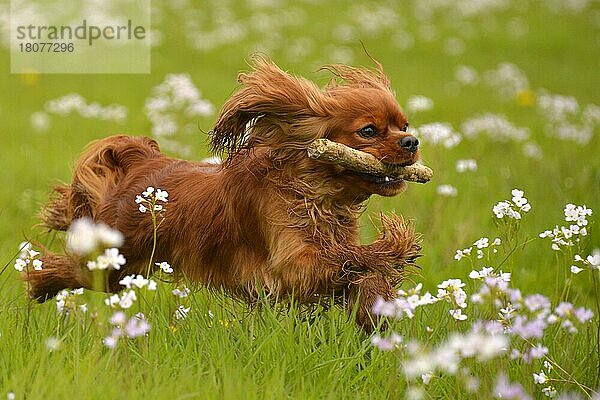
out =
column 58, row 272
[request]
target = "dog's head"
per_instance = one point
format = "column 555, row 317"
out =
column 285, row 113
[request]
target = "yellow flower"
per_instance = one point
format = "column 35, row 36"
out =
column 526, row 98
column 30, row 77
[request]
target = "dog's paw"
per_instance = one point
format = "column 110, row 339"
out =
column 398, row 241
column 362, row 295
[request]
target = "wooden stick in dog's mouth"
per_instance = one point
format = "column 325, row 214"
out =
column 359, row 161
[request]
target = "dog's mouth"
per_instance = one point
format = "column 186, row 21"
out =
column 378, row 179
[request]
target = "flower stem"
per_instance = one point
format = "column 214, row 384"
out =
column 597, row 330
column 154, row 231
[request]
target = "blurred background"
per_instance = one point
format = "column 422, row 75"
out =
column 502, row 93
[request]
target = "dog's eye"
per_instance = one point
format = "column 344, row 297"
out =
column 368, row 131
column 405, row 127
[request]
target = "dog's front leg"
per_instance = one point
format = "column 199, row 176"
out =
column 362, row 294
column 379, row 267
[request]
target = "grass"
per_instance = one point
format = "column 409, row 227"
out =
column 281, row 352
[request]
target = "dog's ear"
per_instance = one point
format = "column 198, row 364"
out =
column 269, row 109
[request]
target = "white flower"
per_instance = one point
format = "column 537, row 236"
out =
column 182, row 312
column 568, row 236
column 482, row 243
column 107, row 236
column 466, row 165
column 111, row 259
column 577, row 214
column 126, row 281
column 459, row 255
column 161, row 195
column 149, row 190
column 165, row 267
column 81, row 237
column 37, row 264
column 466, row 75
column 174, row 106
column 456, row 283
column 419, row 103
column 451, row 291
column 84, row 236
column 31, row 254
column 142, row 208
column 426, row 377
column 485, row 272
column 447, row 356
column 507, row 79
column 53, row 344
column 181, row 293
column 66, row 301
column 594, row 260
column 517, row 194
column 137, row 326
column 118, row 318
column 501, row 209
column 110, row 341
column 439, row 133
column 504, row 209
column 139, row 281
column 133, row 281
column 575, row 269
column 447, row 190
column 540, row 378
column 458, row 315
column 474, row 275
column 127, row 299
column 496, row 127
column 73, row 102
column 112, row 301
column 20, row 264
column 549, row 391
column 463, row 253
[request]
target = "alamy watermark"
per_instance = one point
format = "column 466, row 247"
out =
column 80, row 36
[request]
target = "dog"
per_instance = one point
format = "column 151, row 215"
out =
column 268, row 218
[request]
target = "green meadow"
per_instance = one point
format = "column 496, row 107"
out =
column 503, row 95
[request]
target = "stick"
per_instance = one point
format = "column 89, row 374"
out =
column 359, row 161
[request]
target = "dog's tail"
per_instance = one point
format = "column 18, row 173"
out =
column 101, row 166
column 99, row 169
column 58, row 272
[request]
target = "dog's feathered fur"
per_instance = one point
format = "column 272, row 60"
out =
column 269, row 218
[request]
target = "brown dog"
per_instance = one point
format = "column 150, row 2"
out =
column 269, row 218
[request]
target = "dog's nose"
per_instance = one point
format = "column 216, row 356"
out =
column 409, row 143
